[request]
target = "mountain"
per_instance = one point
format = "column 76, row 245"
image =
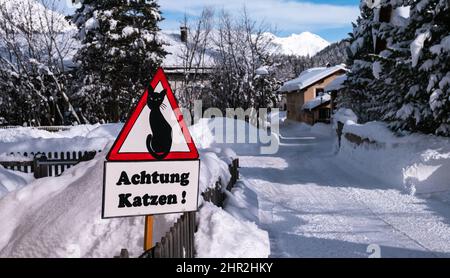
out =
column 303, row 44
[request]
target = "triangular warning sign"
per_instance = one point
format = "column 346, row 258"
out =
column 156, row 129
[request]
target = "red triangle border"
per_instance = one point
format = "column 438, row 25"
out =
column 114, row 154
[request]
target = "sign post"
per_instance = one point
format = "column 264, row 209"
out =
column 153, row 166
column 148, row 235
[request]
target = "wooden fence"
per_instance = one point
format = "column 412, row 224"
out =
column 178, row 242
column 353, row 138
column 48, row 164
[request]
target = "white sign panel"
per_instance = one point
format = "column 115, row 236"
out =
column 133, row 188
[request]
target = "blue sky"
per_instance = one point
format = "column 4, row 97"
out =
column 331, row 19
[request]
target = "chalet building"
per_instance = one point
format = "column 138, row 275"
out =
column 306, row 99
column 175, row 66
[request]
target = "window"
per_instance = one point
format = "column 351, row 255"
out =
column 319, row 92
column 324, row 114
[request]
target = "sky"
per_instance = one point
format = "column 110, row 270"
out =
column 330, row 19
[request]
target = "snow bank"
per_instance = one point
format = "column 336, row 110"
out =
column 416, row 163
column 343, row 115
column 78, row 138
column 242, row 202
column 220, row 235
column 61, row 216
column 212, row 169
column 12, row 180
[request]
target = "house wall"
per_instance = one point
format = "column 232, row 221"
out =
column 295, row 100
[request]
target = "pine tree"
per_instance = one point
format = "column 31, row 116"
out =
column 392, row 72
column 432, row 18
column 415, row 65
column 356, row 94
column 120, row 50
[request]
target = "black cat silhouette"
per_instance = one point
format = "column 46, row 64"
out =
column 159, row 142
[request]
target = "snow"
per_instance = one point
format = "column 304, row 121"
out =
column 443, row 46
column 376, row 69
column 414, row 163
column 356, row 45
column 17, row 9
column 374, row 131
column 77, row 138
column 321, row 129
column 303, row 44
column 344, row 115
column 435, row 102
column 309, row 77
column 400, row 16
column 213, row 169
column 242, row 202
column 306, row 200
column 316, row 203
column 417, row 45
column 61, row 216
column 372, row 3
column 316, row 102
column 92, row 24
column 336, row 84
column 128, row 31
column 176, row 49
column 12, row 180
column 234, row 239
column 264, row 70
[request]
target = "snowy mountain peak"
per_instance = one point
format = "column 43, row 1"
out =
column 303, row 44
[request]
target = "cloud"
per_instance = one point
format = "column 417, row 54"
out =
column 285, row 15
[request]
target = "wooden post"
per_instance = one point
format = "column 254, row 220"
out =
column 148, row 233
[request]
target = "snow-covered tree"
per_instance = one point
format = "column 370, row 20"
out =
column 356, row 93
column 405, row 82
column 35, row 44
column 194, row 57
column 120, row 50
column 411, row 90
column 430, row 58
column 242, row 48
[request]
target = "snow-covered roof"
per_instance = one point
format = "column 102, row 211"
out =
column 309, row 77
column 336, row 84
column 264, row 70
column 316, row 102
column 176, row 48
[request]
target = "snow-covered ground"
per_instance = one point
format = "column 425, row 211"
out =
column 309, row 199
column 315, row 203
column 61, row 216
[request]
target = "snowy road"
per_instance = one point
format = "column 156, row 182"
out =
column 314, row 205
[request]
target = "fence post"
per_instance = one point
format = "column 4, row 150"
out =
column 40, row 170
column 340, row 127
